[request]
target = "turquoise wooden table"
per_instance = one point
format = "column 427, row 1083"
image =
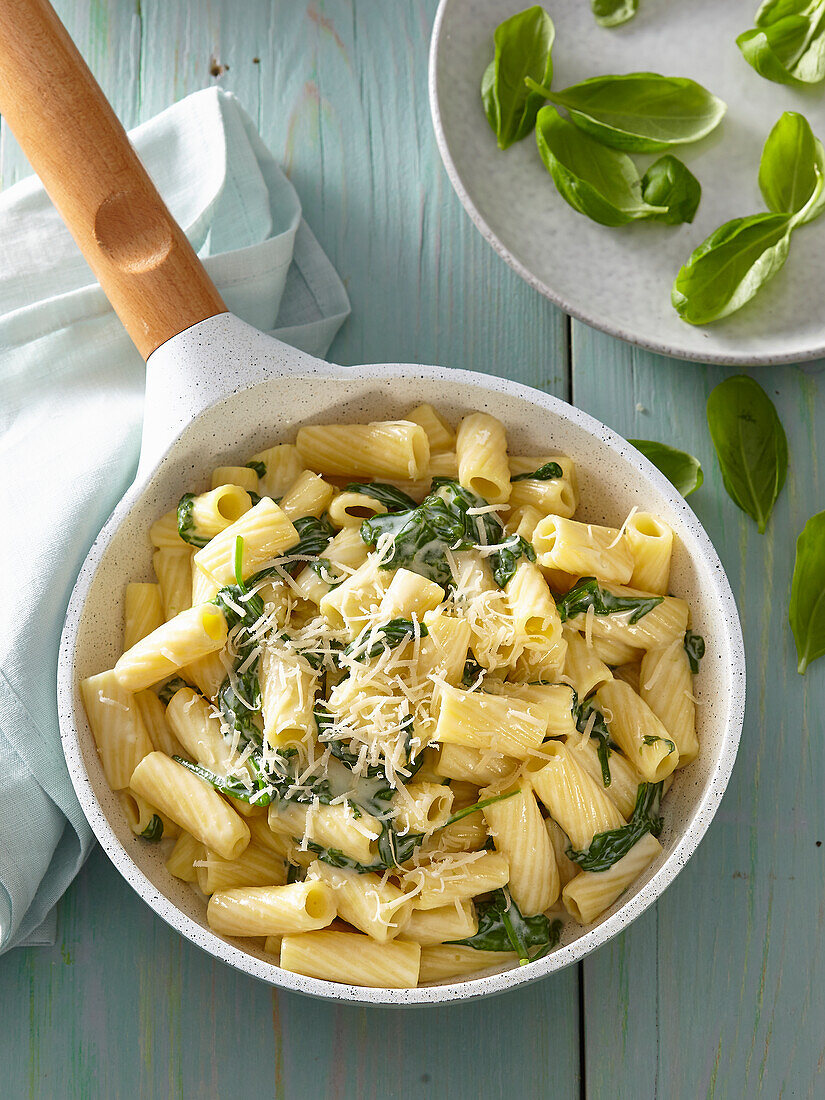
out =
column 718, row 991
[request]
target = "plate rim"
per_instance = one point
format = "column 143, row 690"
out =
column 743, row 359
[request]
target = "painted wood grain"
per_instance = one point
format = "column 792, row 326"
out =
column 721, row 990
column 123, row 1006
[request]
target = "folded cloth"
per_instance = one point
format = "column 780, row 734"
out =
column 71, row 403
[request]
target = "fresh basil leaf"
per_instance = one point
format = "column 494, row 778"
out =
column 154, row 830
column 258, row 467
column 695, row 649
column 807, row 608
column 394, row 500
column 609, row 847
column 750, row 444
column 599, row 182
column 640, row 112
column 682, row 470
column 547, row 472
column 612, row 13
column 788, row 172
column 187, row 529
column 501, row 927
column 668, row 183
column 392, row 634
column 787, row 45
column 728, row 268
column 588, row 593
column 504, row 562
column 523, row 48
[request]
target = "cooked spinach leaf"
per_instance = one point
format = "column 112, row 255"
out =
column 546, row 472
column 187, row 528
column 599, row 182
column 325, row 571
column 154, row 830
column 599, row 731
column 504, row 561
column 258, row 467
column 750, row 444
column 467, row 810
column 394, row 500
column 652, row 738
column 316, row 534
column 682, row 470
column 640, row 112
column 228, row 784
column 609, row 847
column 170, row 688
column 472, row 671
column 237, row 606
column 669, row 183
column 501, row 927
column 589, row 593
column 422, row 535
column 807, row 608
column 695, row 649
column 523, row 47
column 388, row 636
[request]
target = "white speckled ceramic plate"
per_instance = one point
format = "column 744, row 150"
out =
column 619, row 280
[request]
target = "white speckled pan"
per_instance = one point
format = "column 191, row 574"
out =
column 256, row 392
column 217, row 391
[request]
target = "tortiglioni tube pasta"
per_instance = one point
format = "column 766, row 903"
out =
column 389, row 699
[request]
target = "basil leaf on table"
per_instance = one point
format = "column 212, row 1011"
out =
column 682, row 470
column 612, row 13
column 523, row 47
column 787, row 44
column 750, row 443
column 669, row 183
column 599, row 182
column 792, row 169
column 639, row 112
column 730, row 266
column 807, row 608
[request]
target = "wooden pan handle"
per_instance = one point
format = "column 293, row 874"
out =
column 77, row 146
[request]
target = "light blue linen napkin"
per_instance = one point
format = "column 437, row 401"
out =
column 71, row 406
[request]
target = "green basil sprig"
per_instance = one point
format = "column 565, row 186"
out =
column 787, row 43
column 750, row 443
column 739, row 257
column 600, row 182
column 807, row 608
column 682, row 470
column 609, row 847
column 612, row 13
column 669, row 183
column 523, row 47
column 639, row 112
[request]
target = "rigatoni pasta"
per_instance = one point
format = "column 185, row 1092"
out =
column 401, row 688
